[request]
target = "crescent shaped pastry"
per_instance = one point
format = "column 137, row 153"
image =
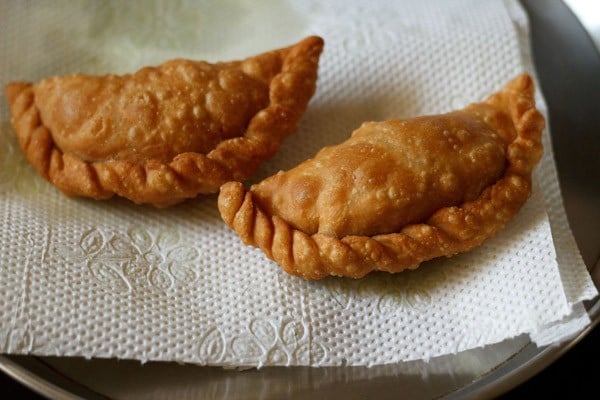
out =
column 396, row 193
column 166, row 133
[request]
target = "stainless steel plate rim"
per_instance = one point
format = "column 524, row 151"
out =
column 488, row 386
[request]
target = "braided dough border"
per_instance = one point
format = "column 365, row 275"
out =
column 448, row 231
column 188, row 174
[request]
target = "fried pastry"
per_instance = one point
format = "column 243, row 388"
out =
column 396, row 193
column 166, row 133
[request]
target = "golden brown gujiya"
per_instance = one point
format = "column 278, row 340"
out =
column 166, row 133
column 397, row 192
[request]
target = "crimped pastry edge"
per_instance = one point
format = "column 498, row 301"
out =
column 188, row 174
column 448, row 231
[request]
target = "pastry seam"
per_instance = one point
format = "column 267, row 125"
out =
column 187, row 174
column 450, row 230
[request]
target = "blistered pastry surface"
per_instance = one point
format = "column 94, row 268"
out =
column 473, row 173
column 164, row 134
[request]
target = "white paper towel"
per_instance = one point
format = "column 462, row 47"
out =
column 111, row 279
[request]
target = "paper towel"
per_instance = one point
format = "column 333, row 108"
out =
column 111, row 279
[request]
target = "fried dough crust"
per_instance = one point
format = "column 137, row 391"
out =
column 398, row 192
column 166, row 133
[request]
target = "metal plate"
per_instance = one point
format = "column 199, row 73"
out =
column 568, row 67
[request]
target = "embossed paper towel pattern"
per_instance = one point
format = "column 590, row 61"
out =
column 109, row 279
